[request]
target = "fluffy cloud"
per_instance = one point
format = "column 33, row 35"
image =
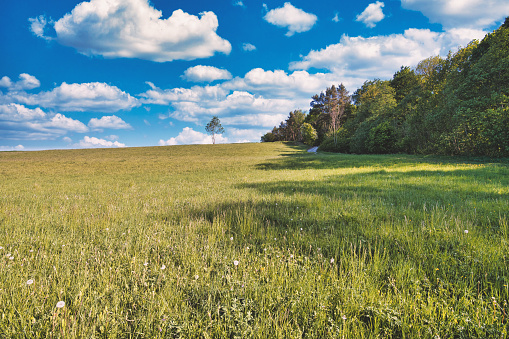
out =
column 93, row 96
column 93, row 142
column 19, row 122
column 355, row 59
column 476, row 14
column 112, row 122
column 26, row 81
column 295, row 19
column 134, row 29
column 62, row 122
column 247, row 47
column 202, row 73
column 372, row 14
column 190, row 136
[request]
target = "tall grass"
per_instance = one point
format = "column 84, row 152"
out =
column 255, row 240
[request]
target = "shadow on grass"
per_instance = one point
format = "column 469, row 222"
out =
column 295, row 161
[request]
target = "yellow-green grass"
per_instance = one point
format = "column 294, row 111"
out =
column 144, row 242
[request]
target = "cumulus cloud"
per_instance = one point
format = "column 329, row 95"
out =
column 355, row 59
column 93, row 96
column 11, row 148
column 62, row 122
column 135, row 29
column 288, row 16
column 38, row 25
column 26, row 81
column 247, row 47
column 477, row 14
column 93, row 142
column 19, row 122
column 190, row 136
column 202, row 73
column 111, row 122
column 372, row 14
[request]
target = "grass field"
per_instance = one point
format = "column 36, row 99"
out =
column 252, row 240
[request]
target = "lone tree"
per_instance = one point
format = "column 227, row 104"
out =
column 214, row 127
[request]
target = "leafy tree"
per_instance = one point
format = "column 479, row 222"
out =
column 404, row 82
column 214, row 127
column 308, row 133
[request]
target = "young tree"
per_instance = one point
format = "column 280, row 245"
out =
column 214, row 127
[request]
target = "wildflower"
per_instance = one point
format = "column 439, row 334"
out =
column 60, row 304
column 145, row 264
column 31, row 251
column 466, row 231
column 196, row 277
column 332, row 260
column 30, row 282
column 291, row 255
column 236, row 262
column 11, row 258
column 231, row 238
column 163, row 267
column 1, row 248
column 343, row 317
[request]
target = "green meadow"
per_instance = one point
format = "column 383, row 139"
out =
column 251, row 241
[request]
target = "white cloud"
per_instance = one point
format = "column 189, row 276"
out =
column 67, row 140
column 18, row 122
column 236, row 135
column 372, row 14
column 336, row 18
column 15, row 112
column 10, row 148
column 60, row 121
column 93, row 142
column 247, row 47
column 356, row 59
column 477, row 14
column 26, row 81
column 202, row 73
column 37, row 26
column 112, row 137
column 135, row 29
column 295, row 19
column 93, row 96
column 190, row 136
column 112, row 122
column 239, row 3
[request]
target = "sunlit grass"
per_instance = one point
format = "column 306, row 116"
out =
column 256, row 240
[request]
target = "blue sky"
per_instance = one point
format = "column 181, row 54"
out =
column 122, row 73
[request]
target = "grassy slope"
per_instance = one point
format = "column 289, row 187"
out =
column 327, row 245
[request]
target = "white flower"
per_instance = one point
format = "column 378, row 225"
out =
column 11, row 258
column 163, row 267
column 30, row 282
column 344, row 317
column 332, row 260
column 60, row 304
column 1, row 248
column 31, row 251
column 145, row 264
column 231, row 238
column 8, row 255
column 236, row 262
column 466, row 231
column 196, row 277
column 291, row 255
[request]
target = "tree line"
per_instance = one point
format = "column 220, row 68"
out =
column 457, row 105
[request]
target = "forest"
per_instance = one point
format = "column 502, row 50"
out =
column 454, row 105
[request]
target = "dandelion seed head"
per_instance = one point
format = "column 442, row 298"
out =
column 60, row 304
column 236, row 262
column 466, row 231
column 30, row 282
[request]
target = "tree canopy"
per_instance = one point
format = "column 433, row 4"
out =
column 457, row 105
